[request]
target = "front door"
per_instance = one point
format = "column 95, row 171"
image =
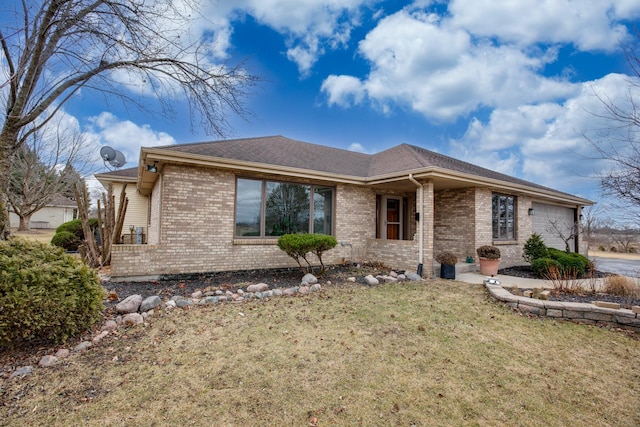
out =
column 392, row 218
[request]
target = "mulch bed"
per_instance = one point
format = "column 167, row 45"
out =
column 526, row 271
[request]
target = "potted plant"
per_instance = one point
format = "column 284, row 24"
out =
column 489, row 257
column 447, row 262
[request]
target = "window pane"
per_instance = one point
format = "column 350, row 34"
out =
column 503, row 217
column 248, row 207
column 286, row 209
column 322, row 208
column 494, row 216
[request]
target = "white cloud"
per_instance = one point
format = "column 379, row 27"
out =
column 126, row 136
column 546, row 143
column 357, row 147
column 588, row 24
column 421, row 62
column 309, row 27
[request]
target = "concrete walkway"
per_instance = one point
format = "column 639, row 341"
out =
column 511, row 281
column 505, row 281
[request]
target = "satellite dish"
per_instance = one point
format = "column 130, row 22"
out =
column 107, row 153
column 119, row 161
column 114, row 157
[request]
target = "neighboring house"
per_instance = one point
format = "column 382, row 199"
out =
column 57, row 212
column 136, row 218
column 220, row 206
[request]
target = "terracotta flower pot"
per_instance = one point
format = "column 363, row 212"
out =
column 489, row 267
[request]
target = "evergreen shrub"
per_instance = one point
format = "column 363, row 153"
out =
column 45, row 294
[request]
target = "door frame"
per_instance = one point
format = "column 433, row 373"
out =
column 383, row 217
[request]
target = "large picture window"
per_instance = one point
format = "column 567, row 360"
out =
column 504, row 217
column 271, row 208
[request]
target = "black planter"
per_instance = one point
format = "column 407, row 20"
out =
column 447, row 271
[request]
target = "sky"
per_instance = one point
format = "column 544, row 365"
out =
column 513, row 86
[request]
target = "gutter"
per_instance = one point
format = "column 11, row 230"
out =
column 420, row 222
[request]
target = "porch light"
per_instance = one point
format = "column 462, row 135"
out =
column 532, row 212
column 581, row 217
column 153, row 168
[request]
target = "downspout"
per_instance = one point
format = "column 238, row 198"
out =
column 420, row 222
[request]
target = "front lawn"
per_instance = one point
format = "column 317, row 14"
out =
column 433, row 353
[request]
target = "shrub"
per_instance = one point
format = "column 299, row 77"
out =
column 488, row 252
column 613, row 249
column 66, row 240
column 297, row 246
column 621, row 286
column 45, row 294
column 541, row 267
column 446, row 258
column 602, row 248
column 534, row 248
column 570, row 260
column 62, row 238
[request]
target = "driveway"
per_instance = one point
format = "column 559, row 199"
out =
column 623, row 266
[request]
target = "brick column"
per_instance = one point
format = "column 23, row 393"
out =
column 427, row 222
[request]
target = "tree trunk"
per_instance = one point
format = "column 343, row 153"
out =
column 25, row 221
column 8, row 142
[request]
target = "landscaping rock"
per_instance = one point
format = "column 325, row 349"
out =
column 304, row 290
column 132, row 319
column 413, row 277
column 316, row 287
column 351, row 279
column 184, row 303
column 84, row 345
column 129, row 304
column 62, row 353
column 99, row 337
column 109, row 325
column 309, row 279
column 196, row 295
column 150, row 303
column 260, row 287
column 371, row 281
column 23, row 371
column 47, row 361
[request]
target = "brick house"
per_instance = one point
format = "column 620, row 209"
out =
column 219, row 206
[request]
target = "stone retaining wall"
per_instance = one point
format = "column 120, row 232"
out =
column 574, row 311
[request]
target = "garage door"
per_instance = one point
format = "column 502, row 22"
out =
column 549, row 217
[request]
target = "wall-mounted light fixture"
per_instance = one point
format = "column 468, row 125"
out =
column 581, row 217
column 532, row 212
column 153, row 168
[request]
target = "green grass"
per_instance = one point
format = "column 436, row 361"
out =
column 436, row 353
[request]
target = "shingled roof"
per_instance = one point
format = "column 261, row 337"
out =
column 286, row 152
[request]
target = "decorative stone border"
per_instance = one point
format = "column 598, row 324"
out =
column 574, row 311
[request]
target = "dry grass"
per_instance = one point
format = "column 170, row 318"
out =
column 621, row 286
column 438, row 353
column 43, row 236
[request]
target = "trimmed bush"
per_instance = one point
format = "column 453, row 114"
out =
column 66, row 240
column 541, row 266
column 45, row 294
column 297, row 246
column 534, row 248
column 62, row 238
column 570, row 261
column 567, row 263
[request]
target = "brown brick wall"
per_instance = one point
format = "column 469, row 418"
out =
column 454, row 228
column 192, row 224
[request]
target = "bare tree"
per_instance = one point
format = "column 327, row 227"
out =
column 618, row 141
column 54, row 48
column 566, row 232
column 46, row 167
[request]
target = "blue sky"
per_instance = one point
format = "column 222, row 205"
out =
column 508, row 85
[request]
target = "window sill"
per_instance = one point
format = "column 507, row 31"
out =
column 255, row 241
column 505, row 242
